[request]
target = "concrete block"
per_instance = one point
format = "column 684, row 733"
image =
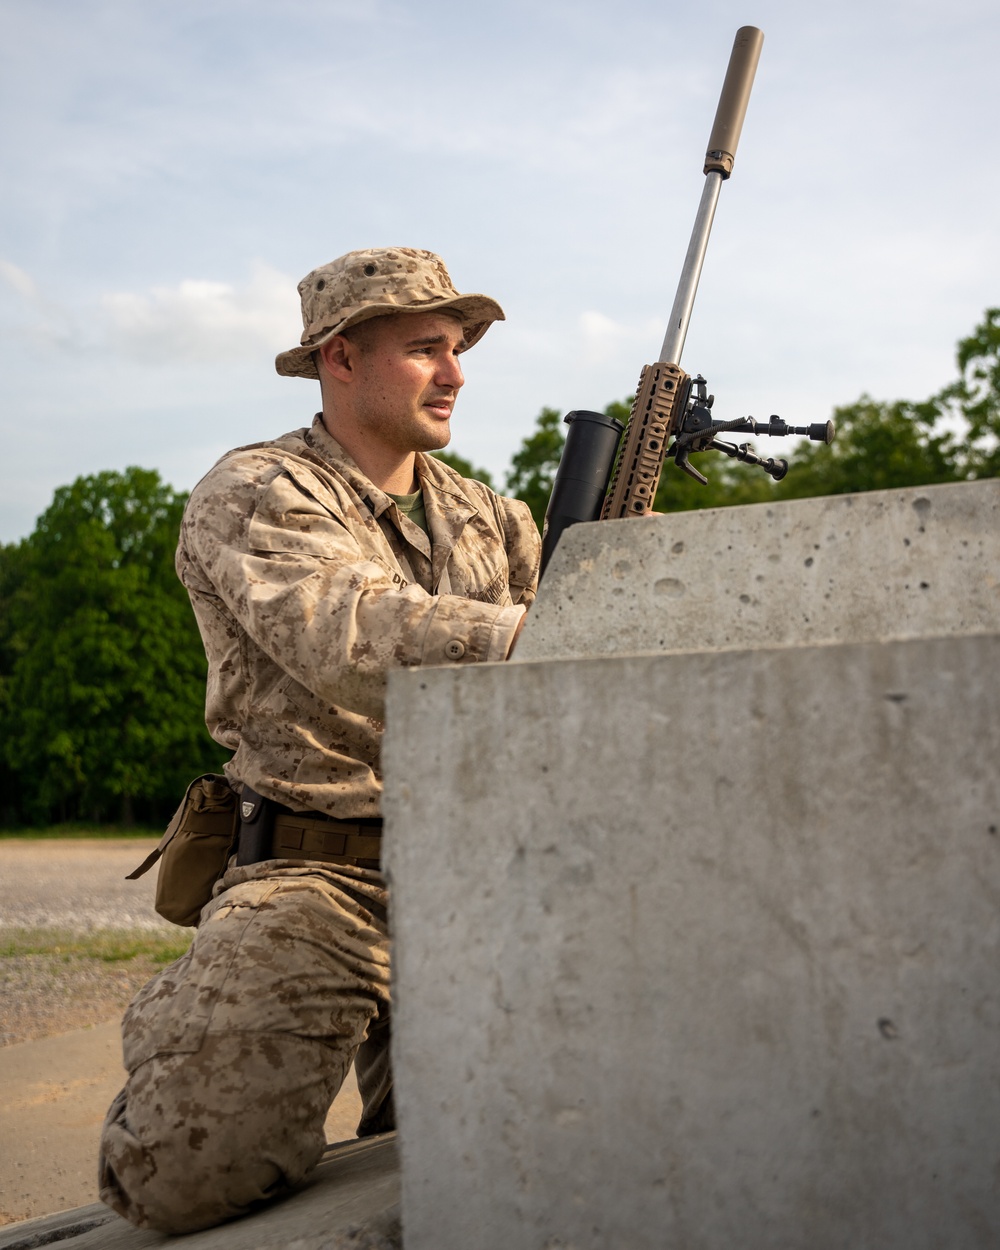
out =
column 846, row 568
column 701, row 950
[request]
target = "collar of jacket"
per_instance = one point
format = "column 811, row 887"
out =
column 448, row 502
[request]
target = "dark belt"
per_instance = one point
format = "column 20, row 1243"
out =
column 269, row 830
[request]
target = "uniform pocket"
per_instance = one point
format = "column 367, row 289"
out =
column 196, row 856
column 172, row 1012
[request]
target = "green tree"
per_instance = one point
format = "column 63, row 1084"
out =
column 463, row 466
column 975, row 398
column 879, row 446
column 533, row 467
column 11, row 577
column 104, row 699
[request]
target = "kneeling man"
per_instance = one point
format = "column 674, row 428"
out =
column 315, row 563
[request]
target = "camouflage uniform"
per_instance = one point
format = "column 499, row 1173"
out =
column 308, row 584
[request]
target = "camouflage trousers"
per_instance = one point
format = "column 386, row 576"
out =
column 235, row 1052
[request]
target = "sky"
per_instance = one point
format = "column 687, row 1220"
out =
column 170, row 171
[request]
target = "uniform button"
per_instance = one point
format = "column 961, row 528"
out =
column 455, row 649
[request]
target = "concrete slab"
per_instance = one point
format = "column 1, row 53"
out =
column 700, row 950
column 351, row 1201
column 847, row 568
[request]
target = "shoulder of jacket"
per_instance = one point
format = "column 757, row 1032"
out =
column 250, row 470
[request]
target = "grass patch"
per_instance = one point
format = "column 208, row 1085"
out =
column 104, row 945
column 76, row 829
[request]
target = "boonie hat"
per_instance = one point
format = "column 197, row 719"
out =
column 374, row 283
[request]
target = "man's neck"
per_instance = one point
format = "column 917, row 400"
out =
column 391, row 471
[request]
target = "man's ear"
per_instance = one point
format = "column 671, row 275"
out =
column 338, row 356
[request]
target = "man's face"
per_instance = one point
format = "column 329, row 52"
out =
column 408, row 380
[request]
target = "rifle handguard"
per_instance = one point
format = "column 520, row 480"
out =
column 657, row 409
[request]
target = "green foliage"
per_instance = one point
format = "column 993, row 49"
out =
column 106, row 945
column 975, row 398
column 11, row 579
column 104, row 672
column 952, row 436
column 879, row 446
column 534, row 466
column 463, row 466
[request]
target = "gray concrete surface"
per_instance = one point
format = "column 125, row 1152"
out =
column 847, row 568
column 700, row 950
column 351, row 1203
column 77, row 885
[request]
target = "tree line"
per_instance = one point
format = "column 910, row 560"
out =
column 102, row 671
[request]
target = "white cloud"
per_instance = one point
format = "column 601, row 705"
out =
column 199, row 319
column 21, row 282
column 47, row 321
column 604, row 337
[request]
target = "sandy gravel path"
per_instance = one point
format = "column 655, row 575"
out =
column 57, row 1075
column 55, row 1093
column 76, row 884
column 72, row 886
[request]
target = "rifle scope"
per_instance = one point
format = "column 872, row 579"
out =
column 582, row 480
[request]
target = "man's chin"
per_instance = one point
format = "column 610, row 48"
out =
column 436, row 439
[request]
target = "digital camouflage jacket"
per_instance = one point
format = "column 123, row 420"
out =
column 309, row 585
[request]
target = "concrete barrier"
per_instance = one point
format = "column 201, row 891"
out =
column 848, row 568
column 702, row 949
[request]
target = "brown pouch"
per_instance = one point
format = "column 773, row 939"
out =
column 194, row 850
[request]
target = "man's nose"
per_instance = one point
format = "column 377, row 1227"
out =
column 450, row 373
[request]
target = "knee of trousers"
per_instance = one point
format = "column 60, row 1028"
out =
column 194, row 1140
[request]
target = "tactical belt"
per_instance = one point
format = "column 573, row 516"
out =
column 269, row 830
column 310, row 835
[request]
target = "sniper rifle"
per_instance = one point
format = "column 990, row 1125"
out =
column 603, row 476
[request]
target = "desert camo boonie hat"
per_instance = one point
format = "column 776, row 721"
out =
column 374, row 283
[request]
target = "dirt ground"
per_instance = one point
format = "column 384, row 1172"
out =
column 60, row 1055
column 71, row 886
column 43, row 995
column 77, row 884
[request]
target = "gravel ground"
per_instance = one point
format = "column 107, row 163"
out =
column 68, row 897
column 72, row 886
column 77, row 885
column 42, row 995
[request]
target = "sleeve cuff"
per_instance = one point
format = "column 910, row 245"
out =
column 463, row 631
column 503, row 633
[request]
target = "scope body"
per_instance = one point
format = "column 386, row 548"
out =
column 581, row 481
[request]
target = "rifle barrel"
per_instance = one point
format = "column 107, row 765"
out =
column 687, row 287
column 719, row 158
